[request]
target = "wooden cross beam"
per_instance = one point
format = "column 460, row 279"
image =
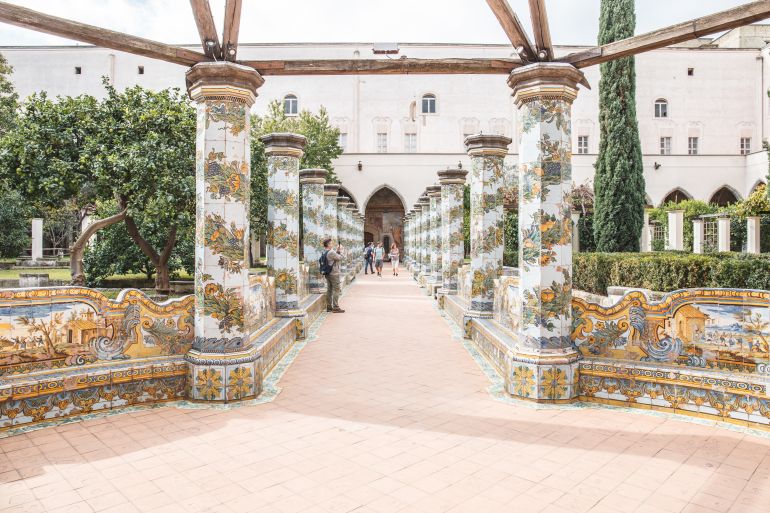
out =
column 384, row 66
column 542, row 30
column 513, row 28
column 27, row 18
column 206, row 28
column 232, row 27
column 693, row 29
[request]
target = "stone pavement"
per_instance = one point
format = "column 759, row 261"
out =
column 385, row 412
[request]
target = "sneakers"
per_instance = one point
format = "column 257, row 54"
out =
column 338, row 310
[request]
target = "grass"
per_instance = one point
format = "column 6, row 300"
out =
column 53, row 273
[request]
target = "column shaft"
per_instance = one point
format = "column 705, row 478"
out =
column 487, row 153
column 452, row 240
column 312, row 182
column 284, row 152
column 436, row 256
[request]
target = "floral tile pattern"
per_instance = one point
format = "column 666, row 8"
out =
column 452, row 241
column 312, row 227
column 283, row 227
column 545, row 225
column 222, row 227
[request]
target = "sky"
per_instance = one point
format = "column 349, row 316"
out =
column 403, row 21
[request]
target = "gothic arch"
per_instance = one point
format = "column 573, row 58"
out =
column 724, row 196
column 346, row 192
column 385, row 186
column 676, row 194
column 757, row 184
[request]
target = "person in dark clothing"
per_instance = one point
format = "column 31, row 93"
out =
column 369, row 258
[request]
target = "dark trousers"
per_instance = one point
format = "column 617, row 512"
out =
column 368, row 266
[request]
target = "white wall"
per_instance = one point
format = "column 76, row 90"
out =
column 725, row 100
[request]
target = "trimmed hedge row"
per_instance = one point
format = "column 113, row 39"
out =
column 667, row 271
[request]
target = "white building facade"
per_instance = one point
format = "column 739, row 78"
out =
column 703, row 110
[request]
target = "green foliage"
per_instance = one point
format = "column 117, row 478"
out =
column 15, row 217
column 511, row 239
column 594, row 272
column 586, row 232
column 43, row 157
column 619, row 180
column 321, row 149
column 114, row 252
column 692, row 210
column 9, row 99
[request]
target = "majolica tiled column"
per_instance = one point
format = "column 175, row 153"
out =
column 352, row 247
column 416, row 229
column 434, row 196
column 407, row 249
column 283, row 152
column 331, row 191
column 452, row 241
column 544, row 364
column 425, row 237
column 342, row 227
column 312, row 183
column 487, row 153
column 221, row 366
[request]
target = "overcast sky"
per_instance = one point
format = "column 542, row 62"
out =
column 263, row 21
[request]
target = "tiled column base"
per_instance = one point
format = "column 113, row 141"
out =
column 232, row 378
column 543, row 380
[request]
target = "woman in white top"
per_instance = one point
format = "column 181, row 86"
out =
column 394, row 258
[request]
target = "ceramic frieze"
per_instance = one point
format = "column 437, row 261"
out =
column 66, row 327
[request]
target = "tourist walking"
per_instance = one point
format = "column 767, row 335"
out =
column 329, row 266
column 379, row 255
column 394, row 254
column 368, row 257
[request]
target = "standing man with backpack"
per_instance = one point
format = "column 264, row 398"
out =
column 368, row 257
column 329, row 267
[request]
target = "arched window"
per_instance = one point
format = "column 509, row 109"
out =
column 429, row 104
column 675, row 196
column 290, row 105
column 723, row 197
column 661, row 108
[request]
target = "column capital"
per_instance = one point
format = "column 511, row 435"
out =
column 316, row 175
column 331, row 189
column 452, row 176
column 284, row 144
column 433, row 191
column 342, row 202
column 423, row 202
column 545, row 81
column 494, row 145
column 223, row 80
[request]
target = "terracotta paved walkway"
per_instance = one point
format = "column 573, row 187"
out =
column 384, row 413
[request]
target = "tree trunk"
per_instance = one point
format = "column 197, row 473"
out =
column 79, row 247
column 160, row 261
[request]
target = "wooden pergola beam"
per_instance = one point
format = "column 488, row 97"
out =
column 541, row 29
column 512, row 27
column 384, row 66
column 231, row 29
column 27, row 18
column 693, row 29
column 204, row 20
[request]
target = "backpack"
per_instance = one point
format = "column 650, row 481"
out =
column 323, row 264
column 368, row 254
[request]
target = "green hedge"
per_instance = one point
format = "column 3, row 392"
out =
column 667, row 271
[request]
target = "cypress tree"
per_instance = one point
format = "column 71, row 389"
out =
column 619, row 180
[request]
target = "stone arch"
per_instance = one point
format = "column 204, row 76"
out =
column 756, row 185
column 346, row 192
column 676, row 194
column 385, row 186
column 724, row 196
column 384, row 211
